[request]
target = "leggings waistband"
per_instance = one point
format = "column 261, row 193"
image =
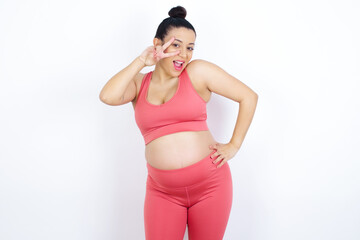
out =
column 186, row 176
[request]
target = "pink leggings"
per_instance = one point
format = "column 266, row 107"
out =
column 199, row 195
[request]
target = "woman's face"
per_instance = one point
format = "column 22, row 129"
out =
column 185, row 43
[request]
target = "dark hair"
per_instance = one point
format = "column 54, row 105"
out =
column 176, row 19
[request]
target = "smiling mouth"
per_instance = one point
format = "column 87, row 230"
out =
column 178, row 64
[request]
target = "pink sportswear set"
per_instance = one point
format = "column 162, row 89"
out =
column 199, row 195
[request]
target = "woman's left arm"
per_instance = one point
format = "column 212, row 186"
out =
column 222, row 83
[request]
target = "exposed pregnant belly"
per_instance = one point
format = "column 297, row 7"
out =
column 178, row 150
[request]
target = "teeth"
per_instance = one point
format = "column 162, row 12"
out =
column 179, row 62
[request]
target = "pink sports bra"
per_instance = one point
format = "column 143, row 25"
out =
column 185, row 111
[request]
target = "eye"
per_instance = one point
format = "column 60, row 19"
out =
column 175, row 45
column 191, row 49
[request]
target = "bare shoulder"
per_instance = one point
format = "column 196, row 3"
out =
column 203, row 70
column 196, row 68
column 218, row 80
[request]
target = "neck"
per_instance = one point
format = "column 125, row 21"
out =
column 161, row 75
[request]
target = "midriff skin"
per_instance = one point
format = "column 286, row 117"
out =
column 178, row 150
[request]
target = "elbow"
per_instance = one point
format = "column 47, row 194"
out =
column 111, row 101
column 256, row 96
column 103, row 98
column 250, row 98
column 102, row 95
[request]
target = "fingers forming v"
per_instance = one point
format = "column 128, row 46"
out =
column 159, row 50
column 170, row 54
column 167, row 44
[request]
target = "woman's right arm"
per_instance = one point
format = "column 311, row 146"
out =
column 121, row 88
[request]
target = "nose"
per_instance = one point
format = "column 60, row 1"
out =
column 183, row 53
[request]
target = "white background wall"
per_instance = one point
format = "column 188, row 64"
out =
column 73, row 168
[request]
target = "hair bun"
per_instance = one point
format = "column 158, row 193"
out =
column 177, row 12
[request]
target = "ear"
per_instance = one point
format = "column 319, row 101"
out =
column 157, row 42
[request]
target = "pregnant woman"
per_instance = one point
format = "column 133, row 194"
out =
column 189, row 180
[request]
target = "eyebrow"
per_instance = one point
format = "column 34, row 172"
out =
column 181, row 42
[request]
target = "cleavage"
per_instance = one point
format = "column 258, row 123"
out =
column 158, row 90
